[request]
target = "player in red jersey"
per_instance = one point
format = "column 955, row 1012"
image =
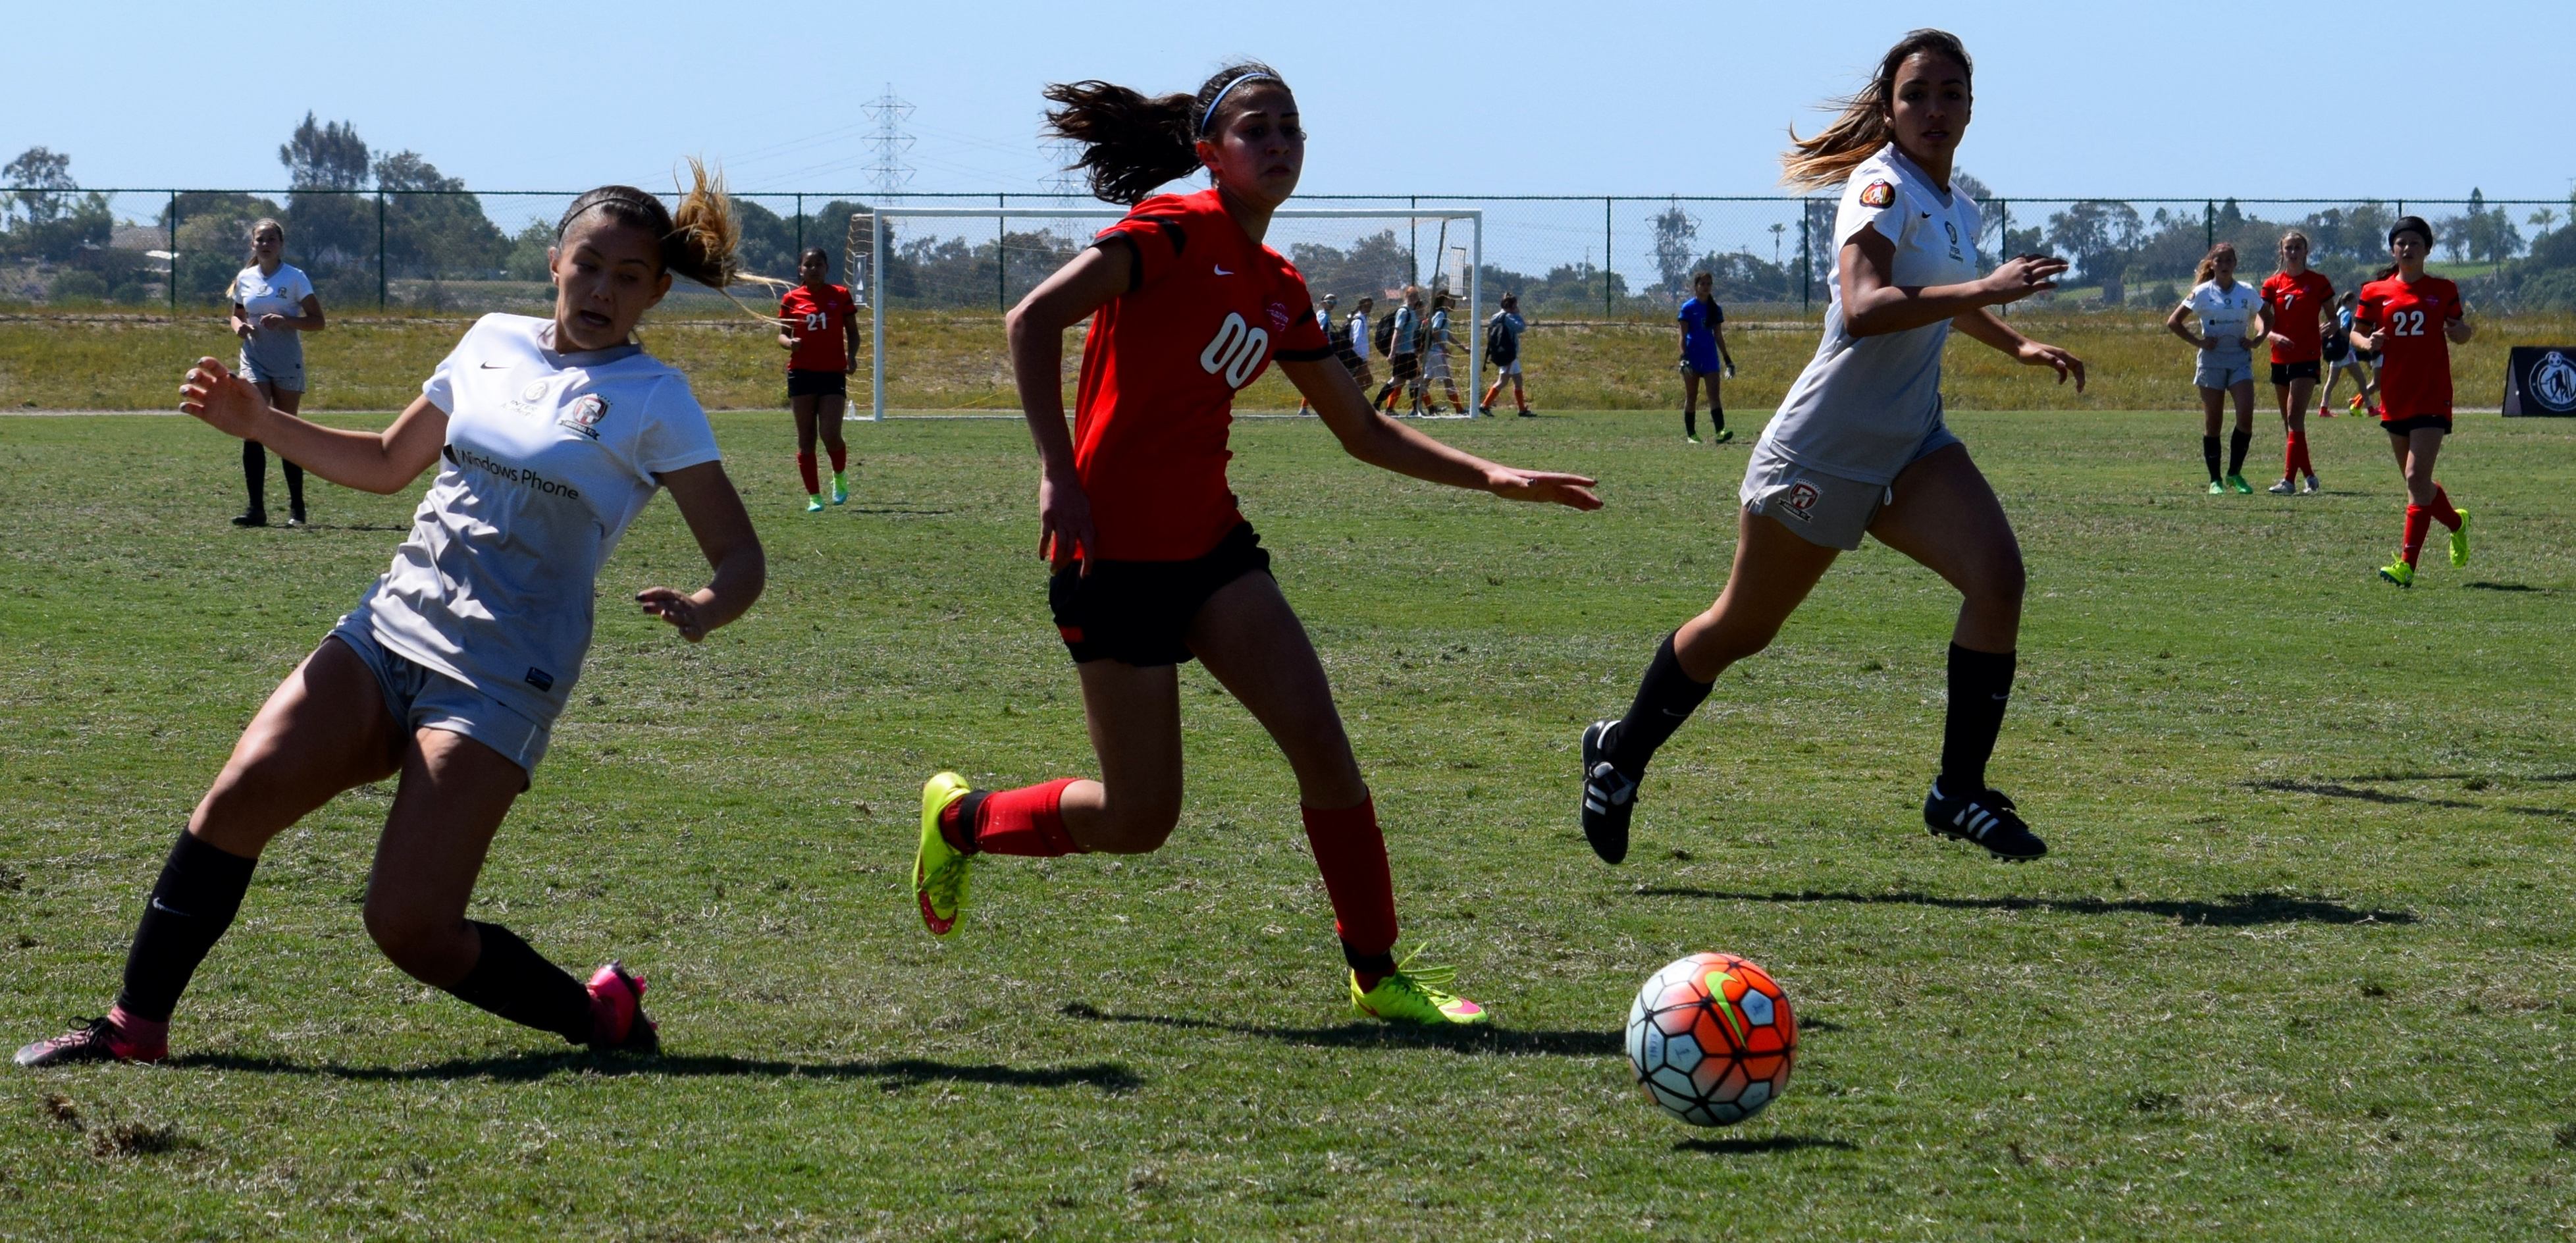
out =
column 2413, row 320
column 1153, row 565
column 821, row 335
column 2297, row 303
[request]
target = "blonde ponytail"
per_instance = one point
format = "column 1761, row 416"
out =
column 699, row 241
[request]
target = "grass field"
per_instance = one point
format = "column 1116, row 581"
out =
column 2297, row 968
column 954, row 361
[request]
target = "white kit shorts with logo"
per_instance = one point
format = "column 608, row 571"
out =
column 423, row 698
column 1822, row 508
column 2222, row 370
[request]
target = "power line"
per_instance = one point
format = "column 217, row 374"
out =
column 889, row 142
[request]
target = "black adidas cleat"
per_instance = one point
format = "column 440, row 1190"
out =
column 1986, row 819
column 1609, row 796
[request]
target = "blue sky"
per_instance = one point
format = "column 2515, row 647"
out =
column 1494, row 96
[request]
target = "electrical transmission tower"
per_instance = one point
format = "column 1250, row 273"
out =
column 1067, row 181
column 890, row 141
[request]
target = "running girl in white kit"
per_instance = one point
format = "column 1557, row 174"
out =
column 549, row 437
column 1859, row 448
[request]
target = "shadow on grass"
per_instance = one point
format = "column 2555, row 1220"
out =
column 1503, row 1041
column 1774, row 1143
column 1108, row 1077
column 2328, row 789
column 2230, row 910
column 2486, row 586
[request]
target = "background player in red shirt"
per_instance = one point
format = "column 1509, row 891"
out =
column 2413, row 320
column 822, row 336
column 2297, row 303
column 1153, row 564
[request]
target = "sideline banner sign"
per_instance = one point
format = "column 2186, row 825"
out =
column 2540, row 380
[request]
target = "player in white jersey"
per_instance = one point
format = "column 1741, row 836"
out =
column 2232, row 322
column 1859, row 447
column 273, row 307
column 549, row 436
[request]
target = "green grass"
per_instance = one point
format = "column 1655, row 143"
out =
column 955, row 361
column 2296, row 969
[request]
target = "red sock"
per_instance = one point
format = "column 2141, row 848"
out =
column 2442, row 511
column 2294, row 454
column 1351, row 853
column 1026, row 821
column 805, row 467
column 840, row 457
column 2419, row 521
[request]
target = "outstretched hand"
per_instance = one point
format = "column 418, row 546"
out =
column 2023, row 275
column 1543, row 487
column 227, row 402
column 2042, row 354
column 679, row 610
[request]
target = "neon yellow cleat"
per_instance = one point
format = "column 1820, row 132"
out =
column 939, row 869
column 1416, row 995
column 814, row 503
column 2216, row 488
column 2460, row 539
column 840, row 488
column 2399, row 573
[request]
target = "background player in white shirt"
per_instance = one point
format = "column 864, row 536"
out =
column 1859, row 447
column 2232, row 323
column 549, row 437
column 273, row 305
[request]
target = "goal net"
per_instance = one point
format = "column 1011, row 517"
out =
column 937, row 282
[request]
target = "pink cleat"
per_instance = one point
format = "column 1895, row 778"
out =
column 104, row 1039
column 617, row 1013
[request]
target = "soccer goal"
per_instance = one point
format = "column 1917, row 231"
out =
column 937, row 282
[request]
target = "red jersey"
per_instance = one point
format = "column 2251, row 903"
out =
column 818, row 321
column 2293, row 304
column 1208, row 310
column 2414, row 355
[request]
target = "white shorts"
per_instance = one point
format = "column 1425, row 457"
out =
column 421, row 698
column 1510, row 368
column 1435, row 365
column 1822, row 508
column 2220, row 372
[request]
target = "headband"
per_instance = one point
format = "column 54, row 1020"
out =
column 1239, row 80
column 646, row 206
column 2412, row 225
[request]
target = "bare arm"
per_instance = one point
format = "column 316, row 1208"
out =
column 713, row 510
column 1384, row 443
column 380, row 462
column 1719, row 330
column 2174, row 322
column 2457, row 329
column 1875, row 305
column 1036, row 329
column 1990, row 328
column 2262, row 328
column 850, row 340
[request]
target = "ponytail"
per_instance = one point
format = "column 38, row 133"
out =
column 2209, row 262
column 266, row 222
column 1864, row 128
column 698, row 241
column 1131, row 142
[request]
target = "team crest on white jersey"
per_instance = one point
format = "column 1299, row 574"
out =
column 585, row 414
column 1877, row 194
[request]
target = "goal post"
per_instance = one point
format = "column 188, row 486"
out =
column 969, row 260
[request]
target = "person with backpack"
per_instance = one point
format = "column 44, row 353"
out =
column 1400, row 337
column 1355, row 343
column 1503, row 349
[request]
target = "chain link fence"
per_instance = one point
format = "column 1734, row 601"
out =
column 1568, row 257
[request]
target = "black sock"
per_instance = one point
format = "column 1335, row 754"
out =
column 2236, row 447
column 2209, row 453
column 517, row 983
column 1716, row 412
column 1980, row 690
column 1380, row 964
column 255, row 476
column 196, row 898
column 1665, row 698
column 1690, row 422
column 294, row 485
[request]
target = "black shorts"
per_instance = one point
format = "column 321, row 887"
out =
column 802, row 382
column 2368, row 356
column 1139, row 612
column 1405, row 366
column 2416, row 423
column 2283, row 373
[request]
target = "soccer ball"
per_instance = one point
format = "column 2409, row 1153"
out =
column 1711, row 1039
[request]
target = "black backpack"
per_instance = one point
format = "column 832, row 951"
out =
column 1384, row 335
column 1501, row 347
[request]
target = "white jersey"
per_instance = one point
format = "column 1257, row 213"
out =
column 549, row 456
column 1865, row 405
column 279, row 293
column 2225, row 314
